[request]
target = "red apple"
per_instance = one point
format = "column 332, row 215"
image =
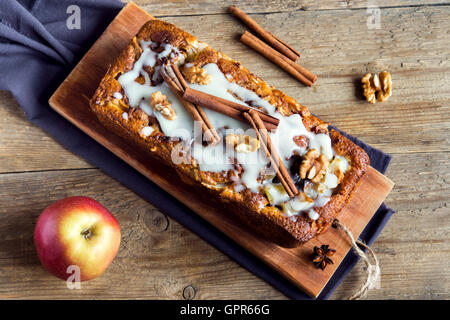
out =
column 76, row 231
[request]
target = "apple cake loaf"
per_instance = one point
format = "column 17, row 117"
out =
column 134, row 101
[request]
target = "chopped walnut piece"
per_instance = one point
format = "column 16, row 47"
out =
column 335, row 169
column 140, row 79
column 369, row 87
column 377, row 87
column 321, row 165
column 161, row 104
column 242, row 143
column 321, row 128
column 301, row 141
column 195, row 74
column 314, row 166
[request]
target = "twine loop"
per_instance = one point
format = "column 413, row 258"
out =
column 372, row 268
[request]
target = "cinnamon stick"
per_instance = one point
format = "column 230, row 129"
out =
column 265, row 117
column 183, row 85
column 179, row 76
column 213, row 104
column 272, row 161
column 176, row 88
column 300, row 73
column 281, row 171
column 265, row 35
column 200, row 110
column 229, row 108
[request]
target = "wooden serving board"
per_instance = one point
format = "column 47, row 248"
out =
column 71, row 101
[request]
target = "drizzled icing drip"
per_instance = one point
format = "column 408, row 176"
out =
column 139, row 94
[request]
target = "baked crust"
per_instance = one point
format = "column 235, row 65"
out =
column 250, row 207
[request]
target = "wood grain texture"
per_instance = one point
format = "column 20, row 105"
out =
column 159, row 259
column 22, row 143
column 413, row 43
column 420, row 71
column 181, row 8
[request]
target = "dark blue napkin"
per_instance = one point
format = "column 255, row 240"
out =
column 38, row 50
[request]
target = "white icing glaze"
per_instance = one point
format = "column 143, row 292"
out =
column 125, row 115
column 211, row 158
column 331, row 180
column 321, row 142
column 221, row 87
column 288, row 210
column 199, row 45
column 139, row 94
column 117, row 95
column 282, row 138
column 301, row 203
column 146, row 131
column 275, row 193
column 252, row 164
column 313, row 215
column 342, row 162
column 321, row 201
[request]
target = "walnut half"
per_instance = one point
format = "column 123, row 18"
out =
column 386, row 86
column 161, row 104
column 314, row 166
column 377, row 87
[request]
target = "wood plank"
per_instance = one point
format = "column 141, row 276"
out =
column 419, row 68
column 410, row 121
column 26, row 147
column 339, row 48
column 294, row 264
column 175, row 8
column 158, row 262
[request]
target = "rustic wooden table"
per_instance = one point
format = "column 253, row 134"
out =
column 340, row 42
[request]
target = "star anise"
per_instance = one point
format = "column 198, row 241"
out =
column 322, row 256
